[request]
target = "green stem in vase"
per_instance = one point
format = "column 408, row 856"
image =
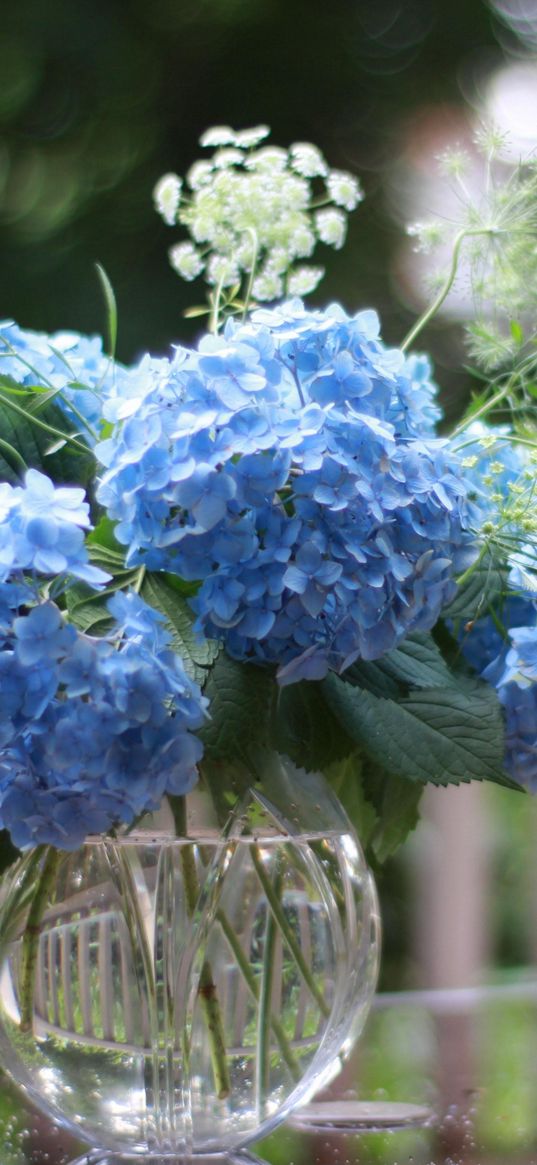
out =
column 206, row 988
column 30, row 938
column 287, row 933
column 252, row 985
column 265, row 994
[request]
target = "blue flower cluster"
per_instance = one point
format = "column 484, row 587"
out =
column 42, row 531
column 92, row 732
column 517, row 691
column 508, row 661
column 290, row 466
column 73, row 366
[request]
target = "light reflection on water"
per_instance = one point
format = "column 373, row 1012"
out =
column 472, row 1059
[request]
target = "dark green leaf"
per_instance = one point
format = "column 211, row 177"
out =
column 165, row 592
column 485, row 585
column 8, row 852
column 241, row 699
column 441, row 735
column 345, row 778
column 398, row 814
column 416, row 663
column 306, row 729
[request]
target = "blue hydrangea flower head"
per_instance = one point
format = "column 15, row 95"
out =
column 74, row 366
column 42, row 530
column 290, row 466
column 93, row 732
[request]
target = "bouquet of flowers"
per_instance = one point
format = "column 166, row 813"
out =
column 262, row 542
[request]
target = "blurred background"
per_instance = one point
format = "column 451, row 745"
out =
column 97, row 100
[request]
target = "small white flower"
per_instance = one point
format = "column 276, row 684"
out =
column 166, row 196
column 302, row 241
column 268, row 286
column 453, row 162
column 331, row 227
column 199, row 175
column 427, row 234
column 245, row 138
column 228, row 157
column 218, row 135
column 186, row 261
column 223, row 271
column 306, row 159
column 267, row 159
column 279, row 260
column 304, row 280
column 344, row 189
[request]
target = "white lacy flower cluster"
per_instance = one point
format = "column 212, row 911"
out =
column 252, row 210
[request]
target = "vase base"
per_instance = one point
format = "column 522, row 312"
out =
column 102, row 1157
column 356, row 1116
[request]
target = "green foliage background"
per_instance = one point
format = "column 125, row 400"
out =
column 101, row 97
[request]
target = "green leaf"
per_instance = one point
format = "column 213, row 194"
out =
column 241, row 699
column 516, row 332
column 416, row 663
column 87, row 608
column 441, row 735
column 398, row 814
column 103, row 545
column 345, row 778
column 166, row 593
column 192, row 313
column 486, row 584
column 111, row 308
column 306, row 729
column 32, row 443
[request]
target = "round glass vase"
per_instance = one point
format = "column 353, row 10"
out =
column 165, row 995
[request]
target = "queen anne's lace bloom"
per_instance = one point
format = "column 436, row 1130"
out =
column 253, row 210
column 290, row 467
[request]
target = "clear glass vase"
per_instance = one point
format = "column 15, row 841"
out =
column 178, row 995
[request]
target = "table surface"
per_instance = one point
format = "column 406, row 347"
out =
column 459, row 1068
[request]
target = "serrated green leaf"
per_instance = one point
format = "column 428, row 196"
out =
column 241, row 700
column 438, row 735
column 306, row 729
column 166, row 593
column 416, row 663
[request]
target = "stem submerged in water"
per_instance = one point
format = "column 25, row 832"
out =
column 207, row 987
column 30, row 938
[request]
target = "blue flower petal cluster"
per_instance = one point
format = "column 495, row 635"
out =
column 92, row 732
column 74, row 366
column 516, row 685
column 508, row 661
column 42, row 530
column 290, row 466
